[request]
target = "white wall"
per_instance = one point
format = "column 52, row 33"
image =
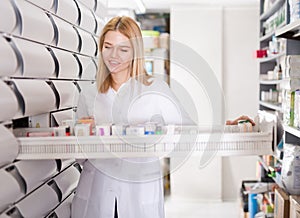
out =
column 199, row 29
column 240, row 68
column 192, row 31
column 226, row 39
column 240, row 82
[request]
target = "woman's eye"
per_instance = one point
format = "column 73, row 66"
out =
column 124, row 50
column 107, row 47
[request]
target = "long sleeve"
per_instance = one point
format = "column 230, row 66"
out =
column 81, row 107
column 86, row 102
column 171, row 109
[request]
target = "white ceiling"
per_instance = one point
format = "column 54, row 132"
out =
column 164, row 5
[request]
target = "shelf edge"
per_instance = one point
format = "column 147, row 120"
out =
column 270, row 105
column 292, row 130
column 288, row 28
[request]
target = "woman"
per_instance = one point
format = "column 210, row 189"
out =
column 124, row 94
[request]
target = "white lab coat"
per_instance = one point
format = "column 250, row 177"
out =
column 136, row 183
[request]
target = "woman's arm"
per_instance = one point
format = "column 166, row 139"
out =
column 243, row 117
column 171, row 109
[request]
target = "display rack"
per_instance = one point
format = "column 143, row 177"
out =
column 144, row 146
column 270, row 169
column 289, row 32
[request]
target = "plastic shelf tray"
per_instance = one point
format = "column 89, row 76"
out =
column 228, row 144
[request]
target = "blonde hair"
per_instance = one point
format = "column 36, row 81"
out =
column 129, row 28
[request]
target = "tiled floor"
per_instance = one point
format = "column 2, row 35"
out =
column 192, row 209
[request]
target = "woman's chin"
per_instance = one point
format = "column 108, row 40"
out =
column 116, row 71
column 113, row 72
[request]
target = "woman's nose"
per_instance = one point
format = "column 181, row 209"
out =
column 114, row 52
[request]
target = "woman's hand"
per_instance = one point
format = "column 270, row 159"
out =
column 243, row 117
column 89, row 120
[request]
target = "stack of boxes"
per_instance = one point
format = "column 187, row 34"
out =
column 294, row 10
column 291, row 91
column 287, row 206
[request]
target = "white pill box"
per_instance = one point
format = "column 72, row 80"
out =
column 60, row 131
column 118, row 129
column 82, row 129
column 135, row 130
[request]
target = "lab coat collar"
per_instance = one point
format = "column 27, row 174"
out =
column 124, row 85
column 124, row 88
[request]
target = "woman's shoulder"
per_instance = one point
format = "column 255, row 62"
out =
column 158, row 84
column 88, row 89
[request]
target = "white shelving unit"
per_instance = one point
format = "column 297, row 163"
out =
column 291, row 44
column 48, row 54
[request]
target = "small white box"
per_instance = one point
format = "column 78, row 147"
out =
column 135, row 130
column 118, row 130
column 170, row 129
column 82, row 129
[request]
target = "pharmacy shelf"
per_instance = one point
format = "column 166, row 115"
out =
column 221, row 144
column 277, row 178
column 6, row 123
column 290, row 31
column 271, row 58
column 268, row 36
column 272, row 106
column 272, row 10
column 262, row 162
column 270, row 82
column 292, row 130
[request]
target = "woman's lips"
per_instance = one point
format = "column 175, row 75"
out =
column 114, row 64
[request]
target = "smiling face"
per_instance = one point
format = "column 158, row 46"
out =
column 122, row 54
column 117, row 53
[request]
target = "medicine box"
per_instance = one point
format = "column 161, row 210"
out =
column 294, row 206
column 282, row 204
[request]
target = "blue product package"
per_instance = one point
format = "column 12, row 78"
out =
column 252, row 207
